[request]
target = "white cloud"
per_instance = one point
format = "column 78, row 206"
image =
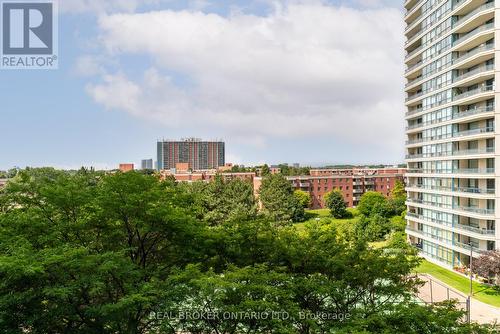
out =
column 306, row 70
column 89, row 66
column 103, row 6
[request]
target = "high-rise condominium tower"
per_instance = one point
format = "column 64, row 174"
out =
column 197, row 154
column 451, row 121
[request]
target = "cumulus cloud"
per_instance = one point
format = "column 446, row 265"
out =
column 304, row 70
column 104, row 6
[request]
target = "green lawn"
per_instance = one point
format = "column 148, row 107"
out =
column 481, row 292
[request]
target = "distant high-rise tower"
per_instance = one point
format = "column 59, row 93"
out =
column 451, row 128
column 198, row 154
column 147, row 164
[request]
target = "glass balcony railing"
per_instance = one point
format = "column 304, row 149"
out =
column 475, row 71
column 463, row 57
column 411, row 67
column 479, row 90
column 471, row 171
column 455, row 115
column 452, row 135
column 414, row 8
column 479, row 9
column 473, row 33
column 469, row 209
column 467, row 247
column 487, row 150
column 474, row 111
column 473, row 52
column 414, row 52
column 419, row 19
column 414, row 111
column 459, row 134
column 467, row 190
column 479, row 70
column 459, row 227
column 416, row 95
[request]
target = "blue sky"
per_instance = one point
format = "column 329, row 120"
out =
column 270, row 78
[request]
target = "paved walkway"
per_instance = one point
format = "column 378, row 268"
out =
column 435, row 291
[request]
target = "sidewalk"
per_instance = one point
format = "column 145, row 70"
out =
column 436, row 291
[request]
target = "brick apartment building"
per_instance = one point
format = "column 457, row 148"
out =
column 205, row 175
column 126, row 167
column 351, row 182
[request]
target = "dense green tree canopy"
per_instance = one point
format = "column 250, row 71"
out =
column 278, row 200
column 126, row 253
column 372, row 203
column 303, row 197
column 222, row 200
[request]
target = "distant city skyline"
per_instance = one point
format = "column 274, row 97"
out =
column 333, row 98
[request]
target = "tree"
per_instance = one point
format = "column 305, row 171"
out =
column 303, row 197
column 222, row 200
column 278, row 200
column 488, row 265
column 334, row 200
column 397, row 200
column 89, row 252
column 372, row 203
column 12, row 173
column 86, row 253
column 265, row 170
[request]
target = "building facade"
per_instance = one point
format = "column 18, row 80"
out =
column 126, row 167
column 451, row 120
column 198, row 154
column 147, row 164
column 353, row 183
column 206, row 176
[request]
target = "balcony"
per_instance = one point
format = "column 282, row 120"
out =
column 416, row 80
column 414, row 111
column 455, row 116
column 473, row 33
column 459, row 134
column 460, row 59
column 466, row 171
column 414, row 96
column 429, row 235
column 414, row 52
column 488, row 150
column 481, row 69
column 473, row 132
column 412, row 67
column 475, row 111
column 459, row 246
column 479, row 90
column 467, row 247
column 479, row 9
column 477, row 232
column 487, row 47
column 452, row 227
column 419, row 19
column 468, row 209
column 454, row 189
column 417, row 6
